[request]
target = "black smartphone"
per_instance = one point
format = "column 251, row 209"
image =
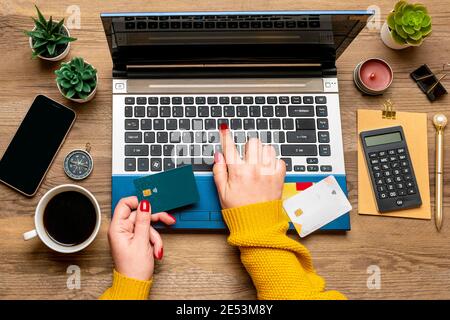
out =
column 35, row 144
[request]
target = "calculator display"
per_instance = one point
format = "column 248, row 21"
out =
column 383, row 139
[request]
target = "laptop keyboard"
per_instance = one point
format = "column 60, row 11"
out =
column 165, row 132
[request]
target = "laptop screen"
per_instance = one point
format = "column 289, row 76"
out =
column 283, row 37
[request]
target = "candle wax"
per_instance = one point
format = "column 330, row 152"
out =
column 375, row 75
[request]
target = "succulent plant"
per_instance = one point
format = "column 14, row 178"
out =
column 48, row 37
column 409, row 23
column 76, row 78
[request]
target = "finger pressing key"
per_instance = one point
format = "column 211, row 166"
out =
column 228, row 146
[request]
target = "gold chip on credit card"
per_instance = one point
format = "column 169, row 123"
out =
column 147, row 192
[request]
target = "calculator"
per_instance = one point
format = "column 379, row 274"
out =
column 393, row 181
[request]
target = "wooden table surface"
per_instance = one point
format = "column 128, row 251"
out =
column 413, row 258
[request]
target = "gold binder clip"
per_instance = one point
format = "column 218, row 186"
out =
column 388, row 110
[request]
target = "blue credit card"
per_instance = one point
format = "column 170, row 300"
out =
column 168, row 190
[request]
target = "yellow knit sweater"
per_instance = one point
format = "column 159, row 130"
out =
column 280, row 267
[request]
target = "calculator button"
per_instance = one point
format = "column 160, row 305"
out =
column 381, row 189
column 402, row 157
column 404, row 163
column 382, row 153
column 373, row 155
column 377, row 174
column 374, row 161
column 399, row 202
column 407, row 177
column 379, row 181
column 390, row 187
column 398, row 179
column 382, row 195
column 401, row 150
column 385, row 167
column 387, row 173
column 388, row 180
column 402, row 192
column 392, row 194
column 406, row 171
column 394, row 164
column 396, row 172
column 409, row 184
column 411, row 191
column 399, row 186
column 392, row 158
column 376, row 168
column 391, row 152
column 384, row 160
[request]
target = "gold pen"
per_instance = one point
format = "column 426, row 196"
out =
column 439, row 121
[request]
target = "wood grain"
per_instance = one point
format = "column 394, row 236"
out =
column 414, row 259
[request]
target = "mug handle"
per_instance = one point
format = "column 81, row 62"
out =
column 29, row 235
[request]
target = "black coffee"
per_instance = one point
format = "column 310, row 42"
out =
column 70, row 218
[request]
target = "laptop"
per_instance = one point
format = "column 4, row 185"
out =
column 268, row 74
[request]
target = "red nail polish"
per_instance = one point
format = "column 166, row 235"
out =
column 160, row 254
column 144, row 206
column 174, row 219
column 223, row 126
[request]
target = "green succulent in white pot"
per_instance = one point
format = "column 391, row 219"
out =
column 77, row 80
column 407, row 25
column 49, row 40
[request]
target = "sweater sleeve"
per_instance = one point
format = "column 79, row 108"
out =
column 280, row 267
column 124, row 288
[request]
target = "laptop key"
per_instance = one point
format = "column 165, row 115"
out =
column 175, row 137
column 207, row 150
column 324, row 136
column 136, row 150
column 272, row 100
column 188, row 100
column 200, row 100
column 239, row 137
column 143, row 164
column 308, row 100
column 155, row 150
column 197, row 124
column 280, row 111
column 210, row 124
column 153, row 100
column 141, row 100
column 130, row 100
column 224, row 100
column 216, row 111
column 156, row 164
column 236, row 100
column 203, row 111
column 128, row 111
column 322, row 111
column 236, row 124
column 229, row 111
column 275, row 124
column 169, row 150
column 177, row 111
column 177, row 100
column 152, row 112
column 321, row 100
column 130, row 164
column 296, row 100
column 260, row 100
column 131, row 124
column 133, row 137
column 164, row 111
column 171, row 124
column 214, row 137
column 305, row 124
column 190, row 111
column 200, row 137
column 283, row 100
column 194, row 150
column 249, row 124
column 297, row 150
column 265, row 136
column 255, row 111
column 301, row 111
column 288, row 124
column 164, row 100
column 242, row 111
column 288, row 162
column 162, row 137
column 149, row 137
column 267, row 111
column 184, row 124
column 324, row 150
column 248, row 100
column 301, row 136
column 322, row 124
column 212, row 100
column 278, row 137
column 168, row 164
column 146, row 124
column 262, row 124
column 158, row 124
column 139, row 111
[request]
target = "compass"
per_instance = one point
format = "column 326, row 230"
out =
column 78, row 164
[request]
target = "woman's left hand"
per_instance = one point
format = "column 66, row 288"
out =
column 134, row 242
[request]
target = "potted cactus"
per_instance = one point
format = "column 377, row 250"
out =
column 77, row 80
column 49, row 40
column 407, row 25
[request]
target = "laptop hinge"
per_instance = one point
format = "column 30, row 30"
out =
column 275, row 71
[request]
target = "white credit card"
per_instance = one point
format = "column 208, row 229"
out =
column 316, row 206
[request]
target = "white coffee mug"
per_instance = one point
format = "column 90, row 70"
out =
column 39, row 220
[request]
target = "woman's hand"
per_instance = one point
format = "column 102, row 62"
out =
column 258, row 177
column 134, row 242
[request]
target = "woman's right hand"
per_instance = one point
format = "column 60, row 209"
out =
column 258, row 177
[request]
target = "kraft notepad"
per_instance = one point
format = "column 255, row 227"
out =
column 415, row 129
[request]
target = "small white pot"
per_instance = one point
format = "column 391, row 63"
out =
column 88, row 98
column 59, row 57
column 387, row 39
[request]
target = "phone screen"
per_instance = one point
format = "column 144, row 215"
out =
column 35, row 144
